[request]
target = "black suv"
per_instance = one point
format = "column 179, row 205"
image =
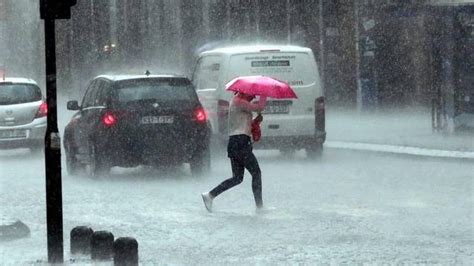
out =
column 137, row 120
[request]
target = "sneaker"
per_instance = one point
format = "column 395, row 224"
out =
column 207, row 198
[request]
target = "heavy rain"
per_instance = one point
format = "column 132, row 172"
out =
column 370, row 163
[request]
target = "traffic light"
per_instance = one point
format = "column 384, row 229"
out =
column 56, row 9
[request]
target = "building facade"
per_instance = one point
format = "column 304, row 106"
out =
column 372, row 53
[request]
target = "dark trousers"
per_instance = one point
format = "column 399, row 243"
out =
column 241, row 157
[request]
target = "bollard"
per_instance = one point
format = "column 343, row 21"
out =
column 81, row 240
column 125, row 251
column 102, row 243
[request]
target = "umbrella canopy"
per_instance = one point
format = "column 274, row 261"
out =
column 261, row 85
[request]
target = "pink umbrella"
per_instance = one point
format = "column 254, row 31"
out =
column 261, row 85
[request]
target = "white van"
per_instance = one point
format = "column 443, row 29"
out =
column 288, row 124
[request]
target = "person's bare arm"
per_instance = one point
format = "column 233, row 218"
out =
column 254, row 107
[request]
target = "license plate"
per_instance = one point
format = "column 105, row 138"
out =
column 13, row 134
column 163, row 119
column 277, row 108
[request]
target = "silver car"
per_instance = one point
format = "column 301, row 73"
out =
column 23, row 112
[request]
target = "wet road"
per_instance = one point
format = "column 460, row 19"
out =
column 349, row 207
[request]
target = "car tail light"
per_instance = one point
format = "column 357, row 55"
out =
column 109, row 119
column 320, row 113
column 42, row 110
column 200, row 115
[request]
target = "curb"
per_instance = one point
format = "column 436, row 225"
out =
column 407, row 150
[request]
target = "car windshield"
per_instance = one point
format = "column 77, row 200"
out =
column 19, row 93
column 155, row 89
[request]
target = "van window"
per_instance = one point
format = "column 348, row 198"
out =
column 295, row 68
column 206, row 75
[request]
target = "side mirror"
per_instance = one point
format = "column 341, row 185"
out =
column 73, row 106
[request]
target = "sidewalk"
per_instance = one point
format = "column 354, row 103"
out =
column 400, row 130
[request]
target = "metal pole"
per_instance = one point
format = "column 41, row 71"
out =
column 358, row 61
column 322, row 45
column 54, row 205
column 257, row 20
column 288, row 22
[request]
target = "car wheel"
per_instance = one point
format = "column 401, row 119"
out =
column 315, row 151
column 97, row 164
column 73, row 166
column 201, row 162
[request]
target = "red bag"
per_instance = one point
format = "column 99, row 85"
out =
column 256, row 131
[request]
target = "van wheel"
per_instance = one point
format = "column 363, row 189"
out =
column 200, row 163
column 315, row 151
column 218, row 147
column 97, row 164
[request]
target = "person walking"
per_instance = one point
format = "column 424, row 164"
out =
column 239, row 148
